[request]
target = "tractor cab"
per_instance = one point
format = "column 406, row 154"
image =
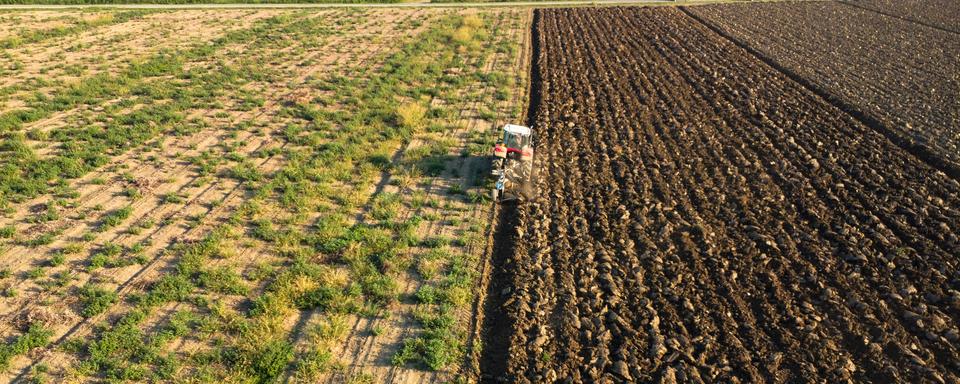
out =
column 517, row 143
column 513, row 164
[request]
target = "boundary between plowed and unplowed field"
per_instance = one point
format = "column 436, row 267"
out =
column 907, row 19
column 495, row 327
column 917, row 150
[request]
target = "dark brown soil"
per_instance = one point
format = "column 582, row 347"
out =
column 497, row 327
column 705, row 218
column 897, row 72
column 942, row 14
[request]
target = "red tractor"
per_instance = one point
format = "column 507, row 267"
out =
column 513, row 164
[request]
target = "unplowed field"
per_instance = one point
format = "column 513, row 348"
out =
column 900, row 74
column 704, row 218
column 250, row 196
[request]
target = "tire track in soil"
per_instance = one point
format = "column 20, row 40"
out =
column 495, row 327
column 478, row 343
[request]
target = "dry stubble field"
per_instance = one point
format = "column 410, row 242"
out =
column 248, row 195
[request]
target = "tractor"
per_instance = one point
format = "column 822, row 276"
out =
column 513, row 164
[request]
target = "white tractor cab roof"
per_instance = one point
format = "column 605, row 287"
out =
column 517, row 129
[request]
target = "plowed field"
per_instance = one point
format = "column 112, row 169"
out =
column 900, row 74
column 935, row 13
column 704, row 218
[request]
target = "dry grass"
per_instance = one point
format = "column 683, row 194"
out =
column 412, row 115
